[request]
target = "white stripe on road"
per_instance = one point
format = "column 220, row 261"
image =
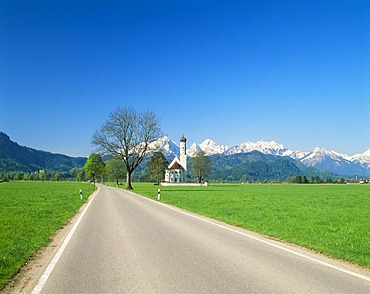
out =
column 262, row 241
column 56, row 257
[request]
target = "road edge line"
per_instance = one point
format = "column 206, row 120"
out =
column 45, row 276
column 260, row 240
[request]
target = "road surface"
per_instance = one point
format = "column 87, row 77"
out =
column 126, row 243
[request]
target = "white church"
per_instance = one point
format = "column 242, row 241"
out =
column 176, row 171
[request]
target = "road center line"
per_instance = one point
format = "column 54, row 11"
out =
column 59, row 253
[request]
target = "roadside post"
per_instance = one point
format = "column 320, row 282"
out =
column 159, row 194
column 81, row 196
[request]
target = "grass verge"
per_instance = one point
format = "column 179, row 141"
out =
column 30, row 213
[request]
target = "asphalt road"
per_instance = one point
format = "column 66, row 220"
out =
column 128, row 244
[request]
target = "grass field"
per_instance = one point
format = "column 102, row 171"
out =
column 30, row 212
column 330, row 219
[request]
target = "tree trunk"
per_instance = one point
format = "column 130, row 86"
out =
column 117, row 182
column 128, row 181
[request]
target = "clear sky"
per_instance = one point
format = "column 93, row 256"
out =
column 297, row 72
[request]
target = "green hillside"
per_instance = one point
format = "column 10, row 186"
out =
column 14, row 157
column 253, row 166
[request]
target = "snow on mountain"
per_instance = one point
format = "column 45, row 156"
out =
column 341, row 164
column 319, row 158
column 298, row 155
column 194, row 148
column 265, row 147
column 363, row 159
column 166, row 145
column 209, row 146
column 319, row 154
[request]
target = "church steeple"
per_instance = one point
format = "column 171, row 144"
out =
column 183, row 158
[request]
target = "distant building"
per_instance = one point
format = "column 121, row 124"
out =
column 176, row 172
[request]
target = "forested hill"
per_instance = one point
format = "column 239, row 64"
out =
column 14, row 157
column 253, row 166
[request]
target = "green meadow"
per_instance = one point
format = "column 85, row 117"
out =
column 30, row 213
column 330, row 219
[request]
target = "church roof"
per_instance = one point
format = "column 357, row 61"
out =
column 176, row 165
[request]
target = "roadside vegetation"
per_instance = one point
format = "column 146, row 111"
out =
column 30, row 213
column 330, row 219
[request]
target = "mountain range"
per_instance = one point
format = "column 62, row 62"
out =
column 249, row 161
column 319, row 158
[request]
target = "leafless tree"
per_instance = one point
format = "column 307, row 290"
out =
column 127, row 135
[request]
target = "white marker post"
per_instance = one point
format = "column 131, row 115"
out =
column 159, row 194
column 81, row 196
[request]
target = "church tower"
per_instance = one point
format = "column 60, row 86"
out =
column 183, row 158
column 176, row 171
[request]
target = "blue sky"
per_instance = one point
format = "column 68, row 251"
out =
column 297, row 72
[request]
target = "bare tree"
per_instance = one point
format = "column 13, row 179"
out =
column 127, row 135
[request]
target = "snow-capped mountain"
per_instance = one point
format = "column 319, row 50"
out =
column 166, row 145
column 319, row 155
column 209, row 146
column 194, row 148
column 319, row 158
column 297, row 155
column 363, row 159
column 265, row 147
column 341, row 164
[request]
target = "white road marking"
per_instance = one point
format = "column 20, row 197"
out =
column 59, row 253
column 263, row 241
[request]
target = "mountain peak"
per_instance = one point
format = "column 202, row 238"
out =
column 366, row 153
column 363, row 159
column 330, row 153
column 166, row 145
column 271, row 144
column 319, row 149
column 208, row 142
column 209, row 146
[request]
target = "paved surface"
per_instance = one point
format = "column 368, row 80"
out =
column 129, row 244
